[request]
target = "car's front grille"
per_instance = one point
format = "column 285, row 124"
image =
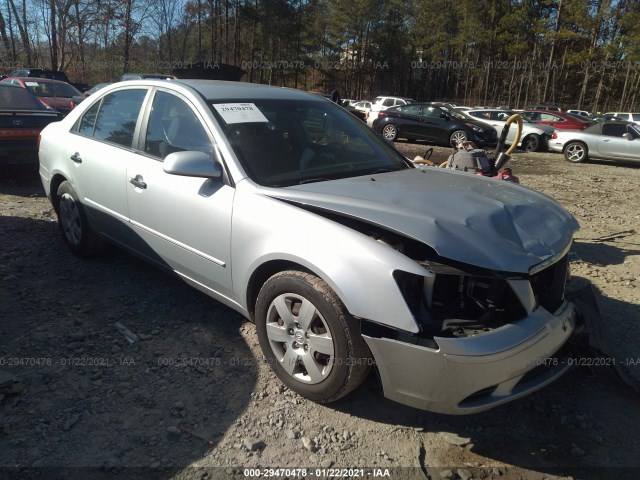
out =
column 548, row 285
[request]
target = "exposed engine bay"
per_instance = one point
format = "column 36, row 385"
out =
column 462, row 300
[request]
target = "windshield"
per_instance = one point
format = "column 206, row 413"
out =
column 290, row 142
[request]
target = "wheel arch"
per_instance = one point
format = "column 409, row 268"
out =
column 265, row 271
column 54, row 184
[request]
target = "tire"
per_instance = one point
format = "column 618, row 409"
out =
column 531, row 143
column 320, row 355
column 457, row 137
column 390, row 132
column 74, row 226
column 576, row 152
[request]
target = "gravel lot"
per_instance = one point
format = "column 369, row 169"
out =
column 193, row 399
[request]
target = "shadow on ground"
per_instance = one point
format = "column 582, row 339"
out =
column 91, row 398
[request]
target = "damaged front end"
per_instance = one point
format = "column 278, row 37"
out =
column 485, row 337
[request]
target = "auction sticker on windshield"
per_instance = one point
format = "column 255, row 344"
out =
column 240, row 113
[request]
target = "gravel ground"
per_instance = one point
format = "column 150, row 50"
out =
column 191, row 398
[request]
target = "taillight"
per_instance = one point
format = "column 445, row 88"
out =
column 71, row 105
column 554, row 136
column 38, row 141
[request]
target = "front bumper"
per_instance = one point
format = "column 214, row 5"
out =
column 476, row 373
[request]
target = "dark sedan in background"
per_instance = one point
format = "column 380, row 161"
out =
column 22, row 118
column 431, row 123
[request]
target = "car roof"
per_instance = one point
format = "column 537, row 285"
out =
column 227, row 90
column 37, row 79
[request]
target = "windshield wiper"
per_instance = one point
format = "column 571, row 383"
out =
column 313, row 180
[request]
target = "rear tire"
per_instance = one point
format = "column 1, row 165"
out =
column 531, row 143
column 74, row 226
column 576, row 152
column 390, row 132
column 309, row 338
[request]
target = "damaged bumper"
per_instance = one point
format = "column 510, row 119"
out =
column 476, row 373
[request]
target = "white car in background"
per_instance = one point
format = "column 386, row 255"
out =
column 363, row 107
column 626, row 116
column 582, row 113
column 382, row 103
column 534, row 137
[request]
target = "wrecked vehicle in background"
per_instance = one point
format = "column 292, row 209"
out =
column 346, row 256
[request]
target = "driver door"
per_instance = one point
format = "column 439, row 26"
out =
column 185, row 222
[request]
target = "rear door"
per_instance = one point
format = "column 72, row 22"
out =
column 185, row 222
column 99, row 154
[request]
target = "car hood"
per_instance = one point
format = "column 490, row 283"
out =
column 475, row 220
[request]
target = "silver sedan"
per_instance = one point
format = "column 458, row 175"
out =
column 286, row 208
column 609, row 140
column 534, row 136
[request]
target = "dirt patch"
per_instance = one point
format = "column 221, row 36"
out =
column 191, row 398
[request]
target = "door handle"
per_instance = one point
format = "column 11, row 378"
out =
column 137, row 182
column 76, row 158
column 606, row 140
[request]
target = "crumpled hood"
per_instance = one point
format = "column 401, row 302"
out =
column 479, row 221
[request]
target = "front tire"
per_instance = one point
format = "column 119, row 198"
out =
column 390, row 132
column 308, row 337
column 74, row 226
column 457, row 137
column 576, row 152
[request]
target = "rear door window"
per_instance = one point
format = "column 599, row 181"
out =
column 118, row 115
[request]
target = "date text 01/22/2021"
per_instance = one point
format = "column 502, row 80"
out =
column 588, row 361
column 316, row 472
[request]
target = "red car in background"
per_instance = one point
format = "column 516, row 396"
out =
column 559, row 120
column 22, row 118
column 53, row 93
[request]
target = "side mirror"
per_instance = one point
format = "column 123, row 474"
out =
column 444, row 115
column 627, row 136
column 193, row 164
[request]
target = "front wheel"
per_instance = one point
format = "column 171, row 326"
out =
column 575, row 152
column 308, row 337
column 390, row 132
column 531, row 143
column 457, row 137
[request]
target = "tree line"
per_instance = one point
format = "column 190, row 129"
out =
column 578, row 53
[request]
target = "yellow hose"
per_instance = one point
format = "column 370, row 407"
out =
column 514, row 144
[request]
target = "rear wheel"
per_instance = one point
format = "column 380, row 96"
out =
column 575, row 152
column 76, row 231
column 309, row 338
column 390, row 132
column 531, row 143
